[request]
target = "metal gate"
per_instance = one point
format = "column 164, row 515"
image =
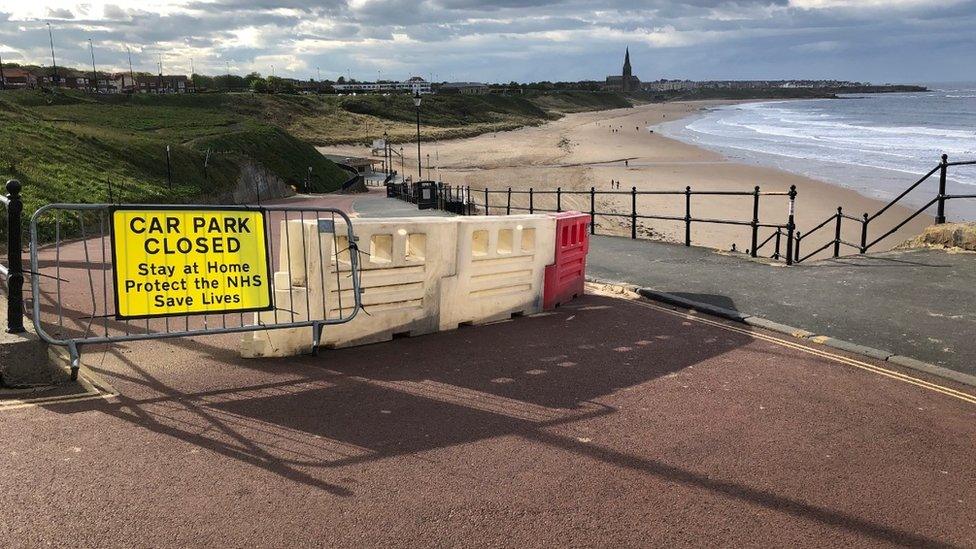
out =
column 73, row 277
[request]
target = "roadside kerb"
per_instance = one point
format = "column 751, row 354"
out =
column 799, row 333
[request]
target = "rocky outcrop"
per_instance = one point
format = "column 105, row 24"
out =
column 957, row 236
column 253, row 183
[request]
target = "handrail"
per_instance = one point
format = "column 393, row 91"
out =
column 903, row 223
column 908, row 190
column 634, row 215
column 940, row 199
column 788, row 229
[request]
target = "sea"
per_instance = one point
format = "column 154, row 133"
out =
column 876, row 144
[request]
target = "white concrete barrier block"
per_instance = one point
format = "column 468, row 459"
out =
column 501, row 263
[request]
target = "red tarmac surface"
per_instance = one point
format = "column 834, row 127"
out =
column 607, row 423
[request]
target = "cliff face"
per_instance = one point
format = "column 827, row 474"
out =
column 956, row 236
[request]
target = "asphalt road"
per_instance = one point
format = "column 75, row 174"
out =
column 915, row 303
column 607, row 423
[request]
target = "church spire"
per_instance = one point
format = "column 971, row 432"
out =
column 627, row 69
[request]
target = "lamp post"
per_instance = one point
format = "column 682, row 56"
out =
column 54, row 63
column 416, row 103
column 386, row 156
column 91, row 48
column 402, row 168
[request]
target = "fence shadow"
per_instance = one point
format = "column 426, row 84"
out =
column 307, row 418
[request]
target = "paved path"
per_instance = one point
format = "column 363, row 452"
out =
column 607, row 423
column 917, row 303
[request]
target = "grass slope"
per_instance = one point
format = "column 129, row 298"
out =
column 69, row 147
column 73, row 147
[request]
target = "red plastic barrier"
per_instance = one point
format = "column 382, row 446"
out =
column 565, row 277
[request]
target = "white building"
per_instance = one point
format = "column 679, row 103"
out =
column 412, row 85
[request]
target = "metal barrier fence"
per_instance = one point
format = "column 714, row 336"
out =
column 72, row 281
column 13, row 272
column 836, row 220
column 461, row 200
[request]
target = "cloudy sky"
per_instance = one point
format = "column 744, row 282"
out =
column 502, row 40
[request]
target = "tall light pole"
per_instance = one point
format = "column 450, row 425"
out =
column 91, row 48
column 132, row 75
column 386, row 154
column 54, row 63
column 416, row 103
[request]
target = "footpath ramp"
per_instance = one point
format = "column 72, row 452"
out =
column 916, row 303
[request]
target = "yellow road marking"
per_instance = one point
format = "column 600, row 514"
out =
column 892, row 374
column 43, row 401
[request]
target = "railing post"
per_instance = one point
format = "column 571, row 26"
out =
column 791, row 225
column 755, row 221
column 864, row 235
column 486, row 200
column 15, row 269
column 592, row 210
column 559, row 199
column 779, row 235
column 531, row 201
column 796, row 248
column 840, row 216
column 508, row 205
column 688, row 216
column 940, row 215
column 633, row 212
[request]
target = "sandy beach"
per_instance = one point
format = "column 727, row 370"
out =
column 582, row 150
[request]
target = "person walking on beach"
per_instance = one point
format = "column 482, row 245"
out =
column 626, row 163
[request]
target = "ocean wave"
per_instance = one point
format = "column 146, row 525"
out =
column 887, row 133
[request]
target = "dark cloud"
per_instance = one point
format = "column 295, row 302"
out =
column 61, row 13
column 501, row 40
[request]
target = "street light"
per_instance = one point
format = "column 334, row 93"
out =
column 386, row 154
column 416, row 103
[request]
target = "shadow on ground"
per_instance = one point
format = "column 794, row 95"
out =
column 300, row 418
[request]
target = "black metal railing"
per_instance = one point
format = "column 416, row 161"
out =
column 13, row 271
column 462, row 200
column 836, row 220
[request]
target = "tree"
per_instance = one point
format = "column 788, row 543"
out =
column 259, row 85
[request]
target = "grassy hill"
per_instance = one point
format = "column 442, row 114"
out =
column 68, row 147
column 331, row 119
column 73, row 147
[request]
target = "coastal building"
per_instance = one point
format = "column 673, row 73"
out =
column 463, row 88
column 412, row 85
column 626, row 82
column 164, row 84
column 15, row 77
column 669, row 85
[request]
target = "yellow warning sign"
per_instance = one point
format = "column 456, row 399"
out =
column 172, row 261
